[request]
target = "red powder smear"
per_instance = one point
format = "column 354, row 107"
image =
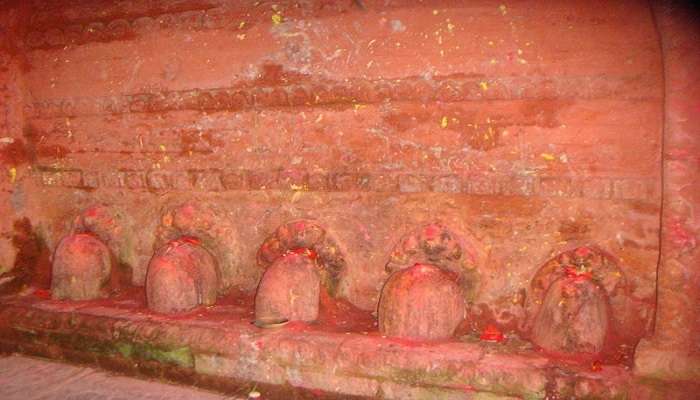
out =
column 583, row 252
column 16, row 153
column 300, row 225
column 304, row 251
column 596, row 366
column 42, row 294
column 492, row 334
column 339, row 315
column 680, row 236
column 573, row 273
column 431, row 231
column 189, row 239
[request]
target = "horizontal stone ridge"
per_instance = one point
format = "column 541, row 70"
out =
column 353, row 93
column 215, row 180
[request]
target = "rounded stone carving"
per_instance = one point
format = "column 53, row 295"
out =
column 579, row 303
column 289, row 289
column 573, row 318
column 306, row 234
column 81, row 267
column 181, row 276
column 421, row 302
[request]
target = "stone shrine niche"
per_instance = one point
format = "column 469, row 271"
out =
column 438, row 245
column 580, row 303
column 309, row 237
column 215, row 229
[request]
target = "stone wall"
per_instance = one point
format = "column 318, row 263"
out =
column 529, row 129
column 15, row 164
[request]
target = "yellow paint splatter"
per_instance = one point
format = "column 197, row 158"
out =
column 13, row 174
column 548, row 156
column 484, row 86
column 277, row 18
column 503, row 9
column 443, row 123
column 493, row 61
column 241, row 25
column 435, row 12
column 162, row 147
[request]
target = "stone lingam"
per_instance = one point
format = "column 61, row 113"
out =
column 355, row 199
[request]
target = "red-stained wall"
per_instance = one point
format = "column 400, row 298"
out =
column 527, row 127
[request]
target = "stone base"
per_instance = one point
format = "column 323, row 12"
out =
column 652, row 361
column 219, row 344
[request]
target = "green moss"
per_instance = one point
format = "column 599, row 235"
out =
column 180, row 356
column 417, row 376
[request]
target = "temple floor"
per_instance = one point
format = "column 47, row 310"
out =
column 19, row 375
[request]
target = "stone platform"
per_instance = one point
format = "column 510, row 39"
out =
column 218, row 347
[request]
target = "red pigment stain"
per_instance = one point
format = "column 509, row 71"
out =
column 578, row 276
column 432, row 231
column 189, row 240
column 42, row 294
column 339, row 315
column 583, row 252
column 16, row 153
column 492, row 334
column 680, row 236
column 304, row 251
column 596, row 366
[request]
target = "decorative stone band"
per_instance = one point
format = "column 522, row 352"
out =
column 56, row 28
column 607, row 188
column 352, row 92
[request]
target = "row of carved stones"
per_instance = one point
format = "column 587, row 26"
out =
column 349, row 92
column 216, row 180
column 121, row 29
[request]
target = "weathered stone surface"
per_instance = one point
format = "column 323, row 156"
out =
column 289, row 289
column 19, row 375
column 81, row 267
column 673, row 352
column 581, row 301
column 421, row 302
column 8, row 255
column 181, row 276
column 306, row 234
column 573, row 318
column 437, row 244
column 223, row 343
column 215, row 229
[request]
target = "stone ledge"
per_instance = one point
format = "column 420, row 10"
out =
column 354, row 364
